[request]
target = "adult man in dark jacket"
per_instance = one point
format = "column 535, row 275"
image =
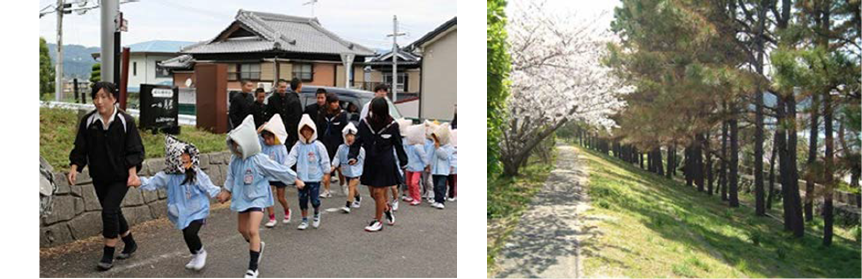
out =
column 288, row 105
column 315, row 110
column 241, row 104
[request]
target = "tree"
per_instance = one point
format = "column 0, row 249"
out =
column 557, row 76
column 498, row 72
column 46, row 69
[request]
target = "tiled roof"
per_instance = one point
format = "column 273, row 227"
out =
column 159, row 46
column 277, row 32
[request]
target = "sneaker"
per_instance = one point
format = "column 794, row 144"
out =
column 390, row 217
column 200, row 260
column 316, row 222
column 103, row 266
column 375, row 226
column 271, row 223
column 395, row 205
column 251, row 273
column 286, row 217
column 438, row 205
column 415, row 203
column 192, row 261
column 453, row 199
column 303, row 225
column 346, row 209
column 325, row 194
column 356, row 204
column 407, row 198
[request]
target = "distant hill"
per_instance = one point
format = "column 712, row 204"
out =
column 77, row 61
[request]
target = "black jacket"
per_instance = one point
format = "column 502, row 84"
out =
column 240, row 107
column 289, row 108
column 258, row 110
column 313, row 110
column 379, row 169
column 110, row 153
column 329, row 127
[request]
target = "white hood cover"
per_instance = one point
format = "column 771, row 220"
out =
column 306, row 121
column 403, row 123
column 416, row 134
column 245, row 136
column 276, row 127
column 430, row 127
column 442, row 133
column 348, row 130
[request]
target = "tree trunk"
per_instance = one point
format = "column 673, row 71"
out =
column 812, row 159
column 658, row 164
column 709, row 177
column 733, row 178
column 724, row 162
column 828, row 217
column 771, row 174
column 697, row 167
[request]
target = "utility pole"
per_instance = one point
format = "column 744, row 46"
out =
column 312, row 2
column 58, row 79
column 109, row 10
column 394, row 36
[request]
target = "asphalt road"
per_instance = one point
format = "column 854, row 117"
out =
column 422, row 243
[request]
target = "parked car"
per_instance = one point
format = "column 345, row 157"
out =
column 347, row 97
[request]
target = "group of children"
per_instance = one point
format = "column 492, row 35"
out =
column 261, row 162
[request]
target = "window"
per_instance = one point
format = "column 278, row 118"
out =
column 303, row 72
column 402, row 81
column 161, row 72
column 249, row 71
column 135, row 68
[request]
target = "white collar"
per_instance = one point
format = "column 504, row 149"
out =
column 98, row 117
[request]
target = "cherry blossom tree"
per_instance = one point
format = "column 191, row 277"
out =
column 557, row 76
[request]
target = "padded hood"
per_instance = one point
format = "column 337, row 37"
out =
column 306, row 121
column 245, row 136
column 174, row 148
column 430, row 127
column 403, row 123
column 349, row 129
column 442, row 133
column 276, row 127
column 416, row 134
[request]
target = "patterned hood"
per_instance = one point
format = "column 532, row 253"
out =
column 174, row 148
column 245, row 136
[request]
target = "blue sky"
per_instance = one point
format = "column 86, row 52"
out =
column 363, row 22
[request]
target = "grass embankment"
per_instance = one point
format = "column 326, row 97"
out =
column 57, row 128
column 654, row 227
column 508, row 197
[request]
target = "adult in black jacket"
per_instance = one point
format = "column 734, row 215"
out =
column 108, row 141
column 380, row 136
column 258, row 108
column 331, row 121
column 287, row 105
column 241, row 104
column 314, row 110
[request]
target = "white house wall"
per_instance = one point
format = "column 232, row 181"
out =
column 440, row 77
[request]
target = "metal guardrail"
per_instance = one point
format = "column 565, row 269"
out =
column 182, row 119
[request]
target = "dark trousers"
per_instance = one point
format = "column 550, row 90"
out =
column 311, row 190
column 111, row 196
column 190, row 234
column 439, row 188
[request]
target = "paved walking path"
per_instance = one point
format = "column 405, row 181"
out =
column 545, row 243
column 421, row 244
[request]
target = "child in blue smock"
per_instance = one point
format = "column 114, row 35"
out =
column 428, row 185
column 351, row 172
column 247, row 182
column 312, row 164
column 189, row 190
column 416, row 162
column 441, row 163
column 272, row 137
